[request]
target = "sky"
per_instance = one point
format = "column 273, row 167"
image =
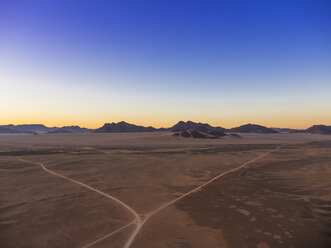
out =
column 223, row 62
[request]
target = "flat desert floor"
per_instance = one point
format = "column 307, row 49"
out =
column 152, row 190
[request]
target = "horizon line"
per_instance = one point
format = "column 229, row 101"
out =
column 156, row 126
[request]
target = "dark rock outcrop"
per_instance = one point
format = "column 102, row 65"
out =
column 182, row 126
column 199, row 133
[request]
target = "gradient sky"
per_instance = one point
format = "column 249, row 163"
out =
column 226, row 62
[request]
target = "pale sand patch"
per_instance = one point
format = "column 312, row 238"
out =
column 288, row 234
column 253, row 218
column 278, row 238
column 243, row 211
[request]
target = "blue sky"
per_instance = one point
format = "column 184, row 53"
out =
column 157, row 62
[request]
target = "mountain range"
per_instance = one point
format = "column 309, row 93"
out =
column 70, row 129
column 41, row 129
column 252, row 128
column 192, row 128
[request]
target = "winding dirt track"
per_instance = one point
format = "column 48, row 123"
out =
column 138, row 221
column 108, row 235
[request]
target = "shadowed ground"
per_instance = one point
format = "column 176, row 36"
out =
column 283, row 201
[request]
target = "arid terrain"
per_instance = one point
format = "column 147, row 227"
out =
column 153, row 190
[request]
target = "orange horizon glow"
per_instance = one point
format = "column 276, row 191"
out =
column 92, row 124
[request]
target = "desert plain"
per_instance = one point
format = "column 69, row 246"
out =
column 152, row 190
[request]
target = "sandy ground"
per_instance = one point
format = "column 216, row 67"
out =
column 40, row 210
column 282, row 200
column 134, row 140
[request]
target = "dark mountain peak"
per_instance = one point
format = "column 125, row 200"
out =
column 251, row 125
column 192, row 129
column 182, row 126
column 108, row 124
column 252, row 128
column 319, row 129
column 69, row 129
column 123, row 127
column 31, row 125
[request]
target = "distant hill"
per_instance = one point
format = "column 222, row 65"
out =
column 39, row 128
column 204, row 127
column 319, row 129
column 70, row 129
column 22, row 128
column 32, row 128
column 123, row 127
column 9, row 129
column 252, row 128
column 199, row 132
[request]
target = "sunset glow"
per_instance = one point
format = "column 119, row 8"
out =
column 74, row 63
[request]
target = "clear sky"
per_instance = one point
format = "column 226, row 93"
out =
column 225, row 62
